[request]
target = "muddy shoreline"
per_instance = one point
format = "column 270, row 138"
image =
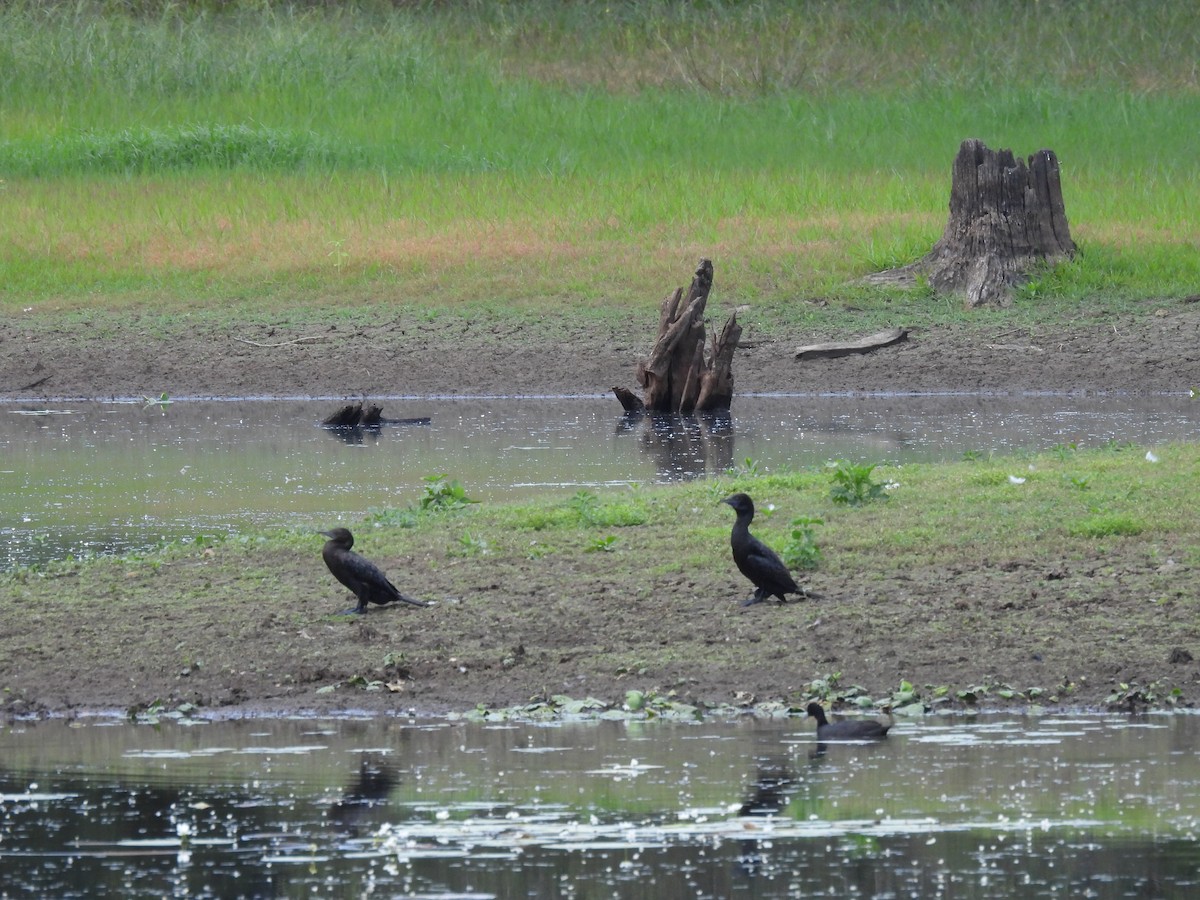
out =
column 359, row 357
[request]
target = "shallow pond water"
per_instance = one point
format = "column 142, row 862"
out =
column 112, row 477
column 995, row 806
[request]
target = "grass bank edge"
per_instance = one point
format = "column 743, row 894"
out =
column 1037, row 505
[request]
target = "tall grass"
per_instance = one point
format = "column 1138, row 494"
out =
column 517, row 150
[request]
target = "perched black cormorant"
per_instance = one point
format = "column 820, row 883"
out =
column 756, row 560
column 363, row 577
column 847, row 729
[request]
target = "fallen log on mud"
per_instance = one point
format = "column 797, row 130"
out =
column 834, row 349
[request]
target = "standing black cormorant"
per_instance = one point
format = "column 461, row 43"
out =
column 363, row 577
column 756, row 560
column 847, row 729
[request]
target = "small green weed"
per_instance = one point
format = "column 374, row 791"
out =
column 606, row 544
column 852, row 484
column 1063, row 451
column 470, row 545
column 748, row 468
column 338, row 255
column 802, row 552
column 585, row 503
column 442, row 494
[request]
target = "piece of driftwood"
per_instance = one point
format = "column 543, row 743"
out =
column 630, row 401
column 347, row 417
column 299, row 340
column 1007, row 218
column 679, row 375
column 1018, row 348
column 833, row 349
column 352, row 415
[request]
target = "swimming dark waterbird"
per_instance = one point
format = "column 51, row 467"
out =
column 363, row 577
column 847, row 729
column 756, row 560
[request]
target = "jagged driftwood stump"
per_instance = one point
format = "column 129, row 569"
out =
column 353, row 416
column 678, row 375
column 1006, row 218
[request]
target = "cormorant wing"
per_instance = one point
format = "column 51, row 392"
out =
column 764, row 567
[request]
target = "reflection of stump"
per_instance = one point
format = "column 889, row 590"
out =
column 1006, row 218
column 683, row 447
column 679, row 376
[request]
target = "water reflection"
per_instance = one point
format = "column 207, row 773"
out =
column 682, row 447
column 768, row 797
column 769, row 793
column 105, row 477
column 1084, row 806
column 370, row 788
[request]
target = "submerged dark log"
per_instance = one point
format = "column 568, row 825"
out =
column 349, row 416
column 1007, row 218
column 352, row 416
column 630, row 401
column 679, row 375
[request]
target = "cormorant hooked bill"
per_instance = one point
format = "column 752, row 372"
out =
column 756, row 560
column 363, row 577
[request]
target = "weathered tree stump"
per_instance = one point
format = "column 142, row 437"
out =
column 1006, row 218
column 678, row 376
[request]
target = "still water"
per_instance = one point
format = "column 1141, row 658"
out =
column 111, row 477
column 1078, row 806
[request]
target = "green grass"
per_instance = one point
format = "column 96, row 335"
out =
column 936, row 514
column 179, row 155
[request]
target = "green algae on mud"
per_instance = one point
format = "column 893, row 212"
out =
column 973, row 584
